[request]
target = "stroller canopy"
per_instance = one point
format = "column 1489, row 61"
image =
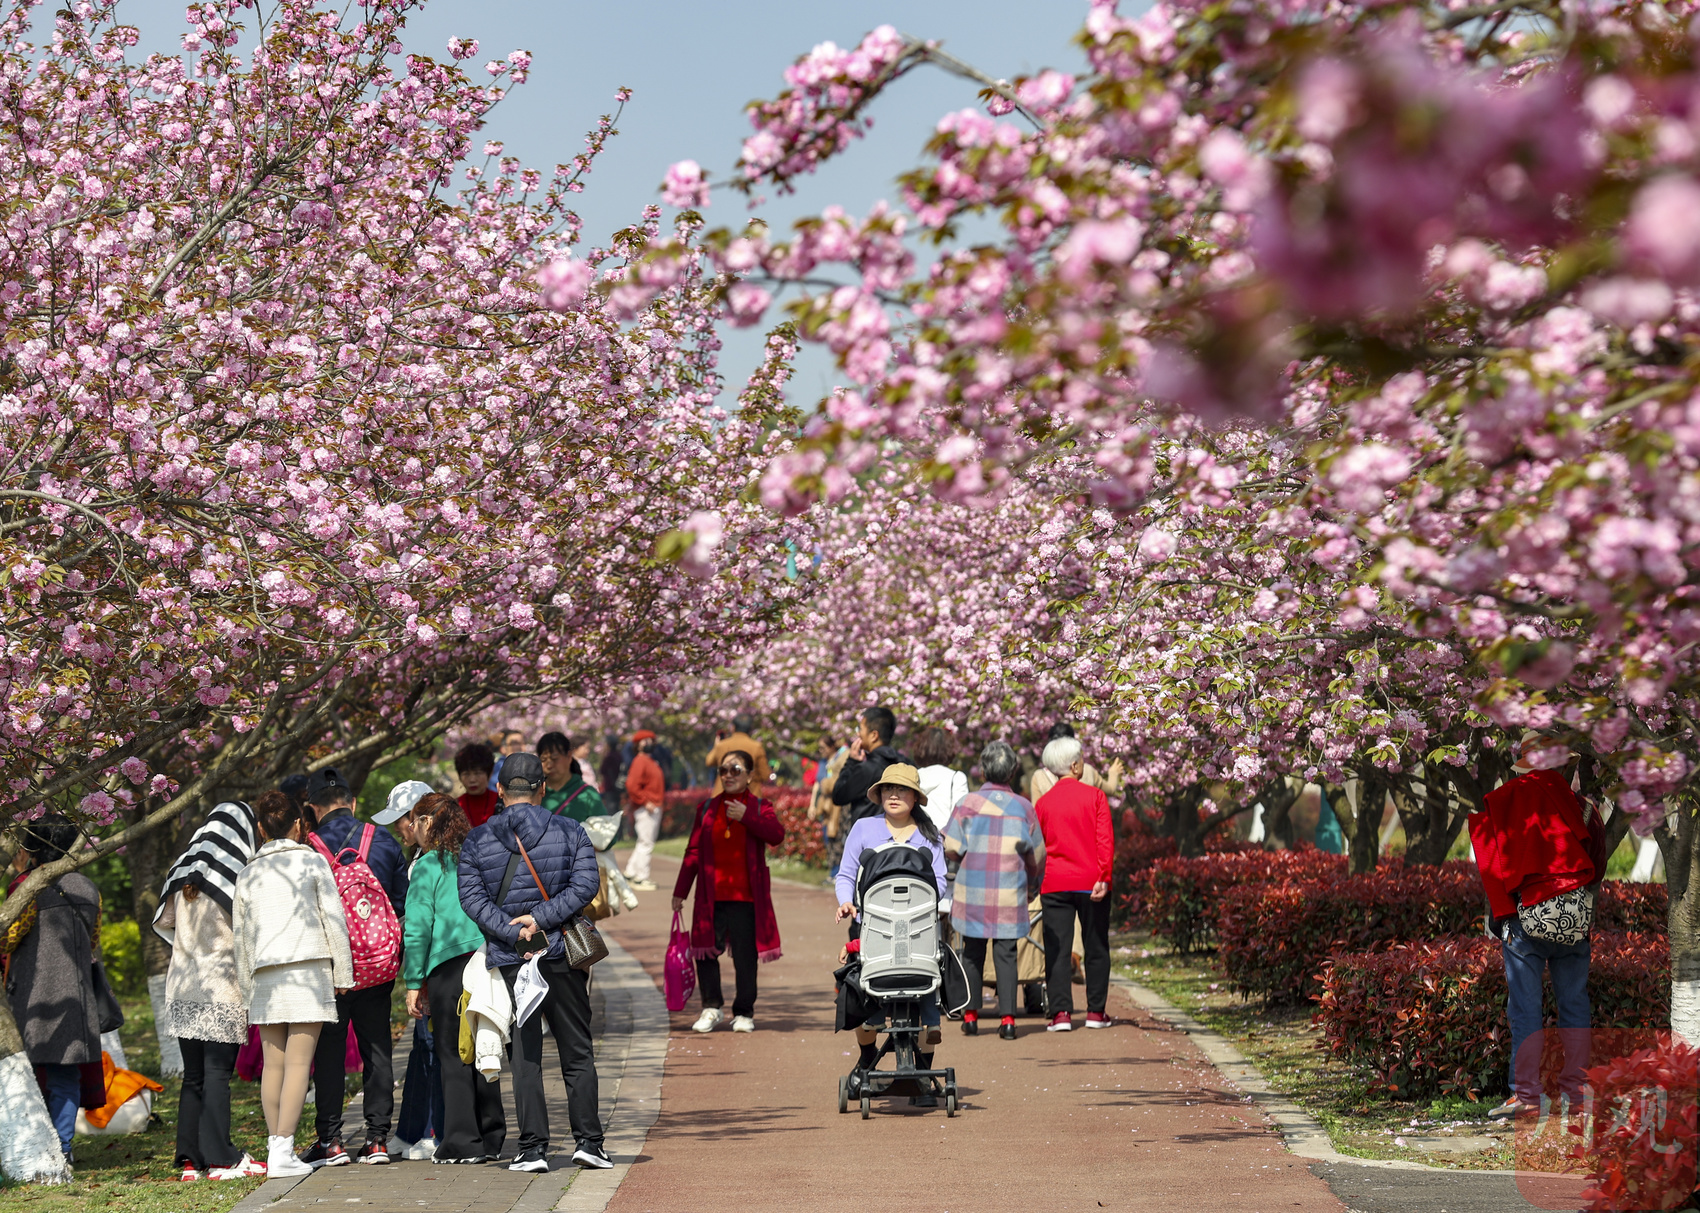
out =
column 898, row 859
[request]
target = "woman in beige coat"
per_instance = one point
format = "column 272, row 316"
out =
column 292, row 960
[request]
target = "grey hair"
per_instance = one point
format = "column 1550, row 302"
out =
column 1060, row 755
column 1000, row 762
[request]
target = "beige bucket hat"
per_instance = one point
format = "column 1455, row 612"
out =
column 902, row 775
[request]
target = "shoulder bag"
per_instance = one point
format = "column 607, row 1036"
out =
column 583, row 942
column 1564, row 920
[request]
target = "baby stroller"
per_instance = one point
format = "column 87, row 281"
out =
column 899, row 965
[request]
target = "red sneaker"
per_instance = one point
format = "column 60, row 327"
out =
column 1060, row 1022
column 1097, row 1019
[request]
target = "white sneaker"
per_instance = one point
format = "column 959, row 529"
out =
column 642, row 886
column 248, row 1168
column 281, row 1162
column 423, row 1150
column 709, row 1020
column 743, row 1023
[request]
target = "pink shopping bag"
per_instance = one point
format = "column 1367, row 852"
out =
column 680, row 973
column 250, row 1058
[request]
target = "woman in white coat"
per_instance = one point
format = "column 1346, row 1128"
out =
column 292, row 960
column 943, row 785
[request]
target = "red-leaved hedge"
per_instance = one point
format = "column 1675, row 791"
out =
column 1643, row 1133
column 1176, row 899
column 1138, row 848
column 1276, row 920
column 1627, row 906
column 1429, row 1018
column 1273, row 936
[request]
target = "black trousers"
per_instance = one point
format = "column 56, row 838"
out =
column 1059, row 911
column 735, row 932
column 567, row 1010
column 369, row 1011
column 473, row 1120
column 1003, row 962
column 203, row 1107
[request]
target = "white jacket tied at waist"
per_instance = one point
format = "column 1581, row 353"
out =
column 489, row 1012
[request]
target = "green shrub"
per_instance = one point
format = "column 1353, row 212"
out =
column 121, row 949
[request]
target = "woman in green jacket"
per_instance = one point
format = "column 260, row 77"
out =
column 439, row 940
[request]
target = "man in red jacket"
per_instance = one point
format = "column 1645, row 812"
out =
column 1074, row 818
column 1541, row 853
column 645, row 793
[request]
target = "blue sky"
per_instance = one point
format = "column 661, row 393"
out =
column 692, row 67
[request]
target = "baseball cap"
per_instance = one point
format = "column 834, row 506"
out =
column 325, row 781
column 402, row 799
column 522, row 772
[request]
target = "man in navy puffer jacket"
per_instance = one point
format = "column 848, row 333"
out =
column 515, row 924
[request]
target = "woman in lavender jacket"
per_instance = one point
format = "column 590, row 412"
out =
column 903, row 819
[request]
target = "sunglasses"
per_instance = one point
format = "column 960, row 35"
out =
column 734, row 770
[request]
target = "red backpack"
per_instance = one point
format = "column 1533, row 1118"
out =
column 374, row 934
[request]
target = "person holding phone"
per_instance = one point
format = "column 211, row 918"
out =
column 726, row 859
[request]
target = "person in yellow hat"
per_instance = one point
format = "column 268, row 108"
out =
column 903, row 819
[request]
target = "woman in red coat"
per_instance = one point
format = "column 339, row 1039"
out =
column 727, row 860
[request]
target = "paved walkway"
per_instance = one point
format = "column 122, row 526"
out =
column 1129, row 1118
column 629, row 1022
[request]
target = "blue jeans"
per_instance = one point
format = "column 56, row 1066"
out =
column 422, row 1089
column 1525, row 961
column 64, row 1097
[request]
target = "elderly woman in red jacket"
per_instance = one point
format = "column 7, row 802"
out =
column 727, row 860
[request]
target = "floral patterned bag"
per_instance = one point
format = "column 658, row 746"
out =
column 1565, row 919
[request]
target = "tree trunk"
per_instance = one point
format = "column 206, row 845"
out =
column 1278, row 831
column 1361, row 823
column 150, row 858
column 1180, row 820
column 1432, row 819
column 1679, row 843
column 29, row 1145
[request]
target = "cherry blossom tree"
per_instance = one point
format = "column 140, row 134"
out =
column 305, row 453
column 1442, row 255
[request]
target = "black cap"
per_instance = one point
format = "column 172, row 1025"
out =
column 520, row 773
column 294, row 786
column 322, row 783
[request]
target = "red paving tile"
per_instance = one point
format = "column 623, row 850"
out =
column 1129, row 1118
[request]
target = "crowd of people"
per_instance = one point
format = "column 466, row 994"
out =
column 289, row 923
column 1003, row 856
column 291, row 919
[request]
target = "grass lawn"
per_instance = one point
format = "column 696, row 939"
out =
column 1288, row 1052
column 137, row 1173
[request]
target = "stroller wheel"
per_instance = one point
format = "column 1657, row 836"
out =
column 866, row 1105
column 950, row 1102
column 844, row 1093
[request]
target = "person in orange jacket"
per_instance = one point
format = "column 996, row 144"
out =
column 645, row 788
